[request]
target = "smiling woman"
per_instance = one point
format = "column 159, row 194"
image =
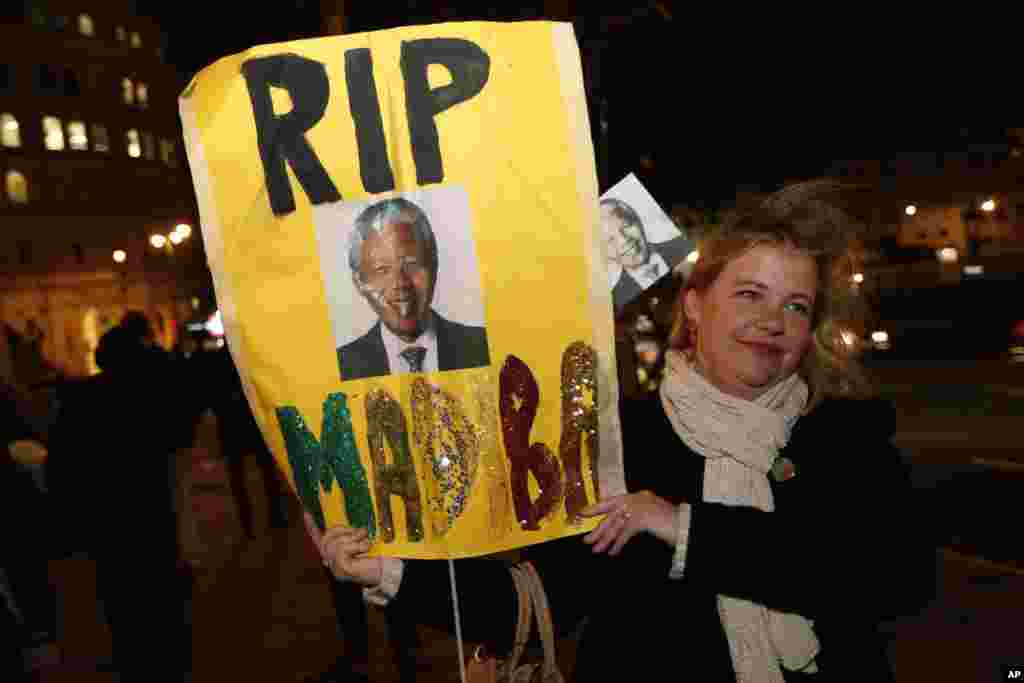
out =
column 742, row 497
column 759, row 312
column 776, row 287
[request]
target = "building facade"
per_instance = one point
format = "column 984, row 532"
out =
column 92, row 167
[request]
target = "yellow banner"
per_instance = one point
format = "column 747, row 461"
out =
column 404, row 235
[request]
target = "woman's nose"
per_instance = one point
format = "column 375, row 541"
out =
column 771, row 320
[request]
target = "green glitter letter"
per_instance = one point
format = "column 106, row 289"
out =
column 319, row 463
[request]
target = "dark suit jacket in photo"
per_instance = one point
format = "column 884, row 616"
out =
column 673, row 251
column 458, row 347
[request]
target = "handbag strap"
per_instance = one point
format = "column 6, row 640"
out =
column 524, row 624
column 542, row 612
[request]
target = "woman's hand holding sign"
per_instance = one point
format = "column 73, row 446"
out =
column 343, row 550
column 628, row 515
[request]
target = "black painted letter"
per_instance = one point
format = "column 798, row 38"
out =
column 282, row 138
column 374, row 168
column 469, row 67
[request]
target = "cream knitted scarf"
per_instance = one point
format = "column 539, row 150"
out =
column 739, row 440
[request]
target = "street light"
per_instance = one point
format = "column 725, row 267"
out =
column 947, row 255
column 880, row 339
column 215, row 324
column 858, row 278
column 183, row 229
column 989, row 205
column 120, row 256
column 177, row 237
column 158, row 241
column 910, row 210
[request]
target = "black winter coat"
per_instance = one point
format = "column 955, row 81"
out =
column 842, row 548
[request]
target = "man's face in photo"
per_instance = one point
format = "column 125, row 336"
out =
column 627, row 243
column 396, row 279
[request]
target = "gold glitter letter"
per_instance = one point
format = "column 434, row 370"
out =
column 579, row 421
column 385, row 420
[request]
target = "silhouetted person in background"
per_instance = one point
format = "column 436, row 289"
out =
column 172, row 375
column 172, row 378
column 240, row 438
column 110, row 467
column 28, row 610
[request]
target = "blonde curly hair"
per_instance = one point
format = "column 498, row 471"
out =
column 807, row 217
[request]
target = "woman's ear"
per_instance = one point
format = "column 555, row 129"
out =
column 692, row 306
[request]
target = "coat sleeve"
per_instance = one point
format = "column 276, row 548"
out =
column 850, row 546
column 488, row 605
column 487, row 600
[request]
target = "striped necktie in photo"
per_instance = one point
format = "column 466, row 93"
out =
column 414, row 356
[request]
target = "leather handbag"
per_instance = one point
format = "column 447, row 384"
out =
column 533, row 606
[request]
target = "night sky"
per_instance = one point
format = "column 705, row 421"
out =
column 714, row 110
column 196, row 38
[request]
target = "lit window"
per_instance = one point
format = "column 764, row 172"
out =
column 132, row 138
column 100, row 141
column 17, row 187
column 128, row 91
column 77, row 137
column 85, row 25
column 136, row 40
column 167, row 154
column 121, row 34
column 53, row 133
column 141, row 94
column 149, row 145
column 10, row 132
